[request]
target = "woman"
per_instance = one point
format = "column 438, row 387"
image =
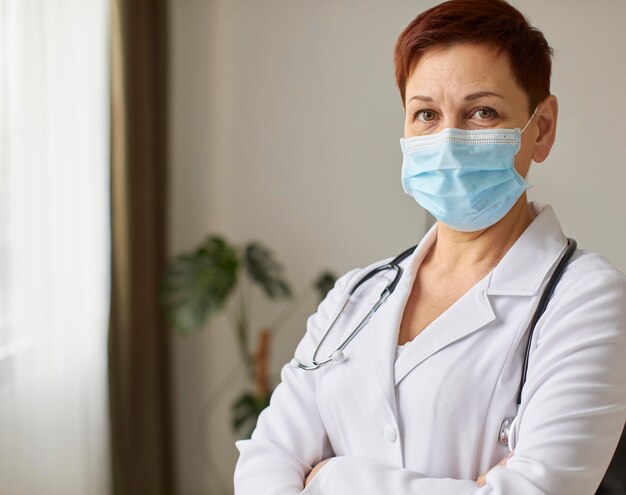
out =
column 417, row 402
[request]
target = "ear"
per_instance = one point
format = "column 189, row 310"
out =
column 546, row 122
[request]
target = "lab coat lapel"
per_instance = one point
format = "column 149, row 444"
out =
column 521, row 272
column 468, row 314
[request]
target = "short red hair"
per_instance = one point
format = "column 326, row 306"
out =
column 493, row 22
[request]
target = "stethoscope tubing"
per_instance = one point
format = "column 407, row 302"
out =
column 338, row 354
column 505, row 427
column 541, row 307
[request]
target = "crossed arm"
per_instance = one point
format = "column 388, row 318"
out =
column 480, row 480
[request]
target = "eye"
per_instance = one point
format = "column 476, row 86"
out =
column 485, row 113
column 425, row 115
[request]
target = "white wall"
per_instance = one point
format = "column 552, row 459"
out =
column 585, row 175
column 285, row 128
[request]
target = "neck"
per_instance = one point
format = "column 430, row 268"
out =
column 457, row 253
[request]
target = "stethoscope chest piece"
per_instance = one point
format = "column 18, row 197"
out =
column 505, row 430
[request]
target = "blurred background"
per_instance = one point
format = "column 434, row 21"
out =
column 133, row 131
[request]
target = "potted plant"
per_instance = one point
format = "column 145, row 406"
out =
column 216, row 277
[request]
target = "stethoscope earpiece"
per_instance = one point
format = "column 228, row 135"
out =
column 338, row 356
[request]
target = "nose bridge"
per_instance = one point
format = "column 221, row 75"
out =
column 452, row 112
column 452, row 116
column 453, row 119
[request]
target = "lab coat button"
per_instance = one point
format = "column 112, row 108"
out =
column 390, row 434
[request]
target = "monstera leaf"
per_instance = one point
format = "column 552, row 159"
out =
column 266, row 271
column 197, row 285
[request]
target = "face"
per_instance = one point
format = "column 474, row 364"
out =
column 470, row 86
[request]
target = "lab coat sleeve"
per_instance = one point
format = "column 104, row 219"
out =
column 571, row 417
column 290, row 437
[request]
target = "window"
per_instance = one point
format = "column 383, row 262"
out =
column 54, row 246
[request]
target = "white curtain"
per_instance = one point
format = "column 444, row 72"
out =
column 54, row 247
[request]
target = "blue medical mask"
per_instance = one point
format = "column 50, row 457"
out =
column 464, row 178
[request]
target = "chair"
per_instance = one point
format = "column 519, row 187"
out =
column 614, row 481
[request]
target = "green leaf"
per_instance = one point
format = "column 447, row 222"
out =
column 324, row 283
column 263, row 269
column 196, row 285
column 245, row 412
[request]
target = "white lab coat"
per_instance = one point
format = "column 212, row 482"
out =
column 428, row 422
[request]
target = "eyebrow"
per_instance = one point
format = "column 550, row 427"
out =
column 481, row 94
column 470, row 97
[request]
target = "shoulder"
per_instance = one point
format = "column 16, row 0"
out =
column 587, row 268
column 590, row 297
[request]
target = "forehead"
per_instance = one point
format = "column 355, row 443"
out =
column 462, row 68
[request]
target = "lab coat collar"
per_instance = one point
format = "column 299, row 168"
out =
column 523, row 268
column 520, row 272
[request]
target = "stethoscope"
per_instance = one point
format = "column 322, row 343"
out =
column 394, row 265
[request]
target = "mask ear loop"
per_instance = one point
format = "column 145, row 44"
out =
column 530, row 119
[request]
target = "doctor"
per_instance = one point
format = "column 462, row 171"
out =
column 417, row 402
